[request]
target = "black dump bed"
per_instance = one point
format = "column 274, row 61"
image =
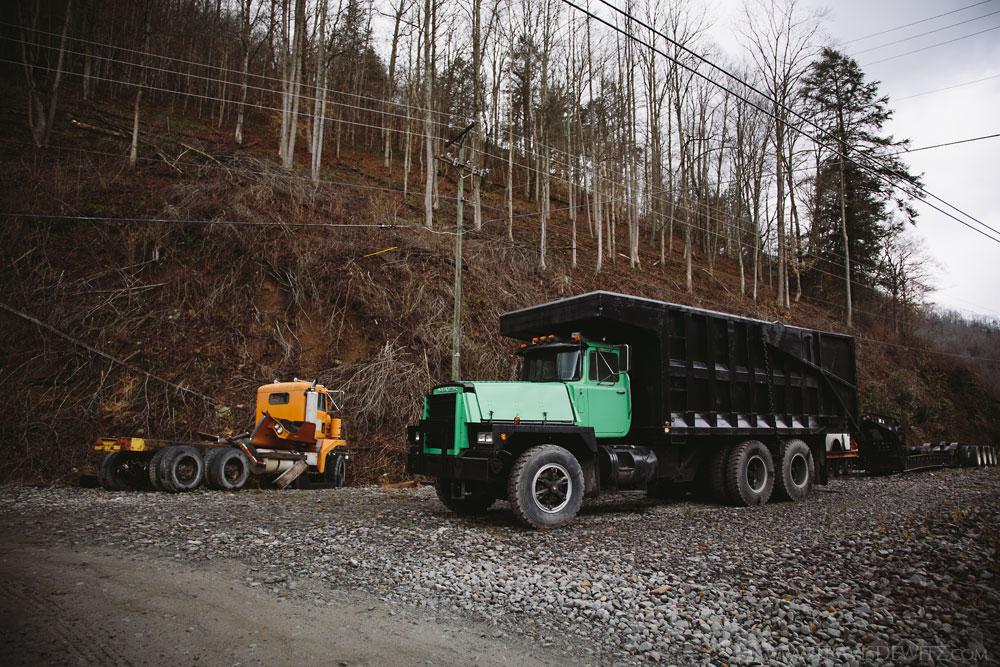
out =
column 703, row 371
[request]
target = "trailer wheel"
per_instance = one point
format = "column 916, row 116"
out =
column 545, row 488
column 153, row 469
column 750, row 474
column 717, row 475
column 794, row 480
column 335, row 470
column 226, row 469
column 478, row 499
column 117, row 471
column 181, row 469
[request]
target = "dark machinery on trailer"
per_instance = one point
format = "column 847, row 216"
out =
column 883, row 450
column 620, row 392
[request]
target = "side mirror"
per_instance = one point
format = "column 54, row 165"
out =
column 626, row 358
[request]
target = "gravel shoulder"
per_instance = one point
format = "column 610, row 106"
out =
column 897, row 570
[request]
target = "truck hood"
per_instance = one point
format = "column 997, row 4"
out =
column 530, row 401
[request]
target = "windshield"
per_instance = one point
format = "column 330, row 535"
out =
column 552, row 365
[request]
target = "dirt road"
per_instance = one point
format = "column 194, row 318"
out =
column 98, row 606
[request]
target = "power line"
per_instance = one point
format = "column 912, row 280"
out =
column 951, row 143
column 234, row 223
column 931, row 46
column 101, row 353
column 929, row 32
column 938, row 90
column 385, row 128
column 861, row 165
column 900, row 27
column 697, row 210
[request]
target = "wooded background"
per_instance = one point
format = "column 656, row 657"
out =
column 233, row 166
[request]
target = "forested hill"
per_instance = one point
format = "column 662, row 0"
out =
column 179, row 227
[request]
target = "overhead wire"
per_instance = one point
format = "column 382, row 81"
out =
column 618, row 29
column 924, row 34
column 931, row 46
column 698, row 211
column 940, row 90
column 930, row 18
column 861, row 164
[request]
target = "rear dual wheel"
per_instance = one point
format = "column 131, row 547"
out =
column 121, row 471
column 181, row 468
column 797, row 471
column 749, row 474
column 226, row 469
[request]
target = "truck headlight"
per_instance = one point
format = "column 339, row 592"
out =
column 484, row 438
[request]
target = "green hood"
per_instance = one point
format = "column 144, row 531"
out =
column 531, row 401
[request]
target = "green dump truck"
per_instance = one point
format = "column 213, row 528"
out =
column 619, row 392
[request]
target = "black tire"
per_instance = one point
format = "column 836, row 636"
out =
column 477, row 500
column 717, row 476
column 335, row 470
column 749, row 474
column 227, row 469
column 208, row 458
column 120, row 471
column 795, row 478
column 153, row 469
column 181, row 469
column 545, row 487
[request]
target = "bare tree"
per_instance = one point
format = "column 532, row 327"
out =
column 781, row 40
column 40, row 119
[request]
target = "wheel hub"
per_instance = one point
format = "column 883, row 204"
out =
column 552, row 488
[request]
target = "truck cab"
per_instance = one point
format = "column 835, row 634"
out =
column 296, row 403
column 595, row 375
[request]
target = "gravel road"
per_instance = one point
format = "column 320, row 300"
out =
column 901, row 570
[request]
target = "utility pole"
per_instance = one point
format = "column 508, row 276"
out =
column 463, row 165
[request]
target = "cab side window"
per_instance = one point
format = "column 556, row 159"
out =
column 603, row 366
column 278, row 399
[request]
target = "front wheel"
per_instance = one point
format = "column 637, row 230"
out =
column 545, row 488
column 335, row 470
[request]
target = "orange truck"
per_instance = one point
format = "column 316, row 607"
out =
column 296, row 439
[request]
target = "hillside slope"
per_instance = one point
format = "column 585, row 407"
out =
column 134, row 311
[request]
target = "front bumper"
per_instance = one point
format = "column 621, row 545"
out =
column 470, row 464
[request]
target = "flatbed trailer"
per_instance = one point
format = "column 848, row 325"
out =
column 296, row 440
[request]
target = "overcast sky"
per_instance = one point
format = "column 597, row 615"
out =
column 966, row 175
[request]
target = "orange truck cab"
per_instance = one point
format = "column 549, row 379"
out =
column 298, row 416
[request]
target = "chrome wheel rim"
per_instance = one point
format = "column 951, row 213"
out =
column 551, row 488
column 756, row 473
column 798, row 468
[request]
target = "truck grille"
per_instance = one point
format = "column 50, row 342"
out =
column 439, row 426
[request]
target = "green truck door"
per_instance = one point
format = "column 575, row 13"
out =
column 603, row 401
